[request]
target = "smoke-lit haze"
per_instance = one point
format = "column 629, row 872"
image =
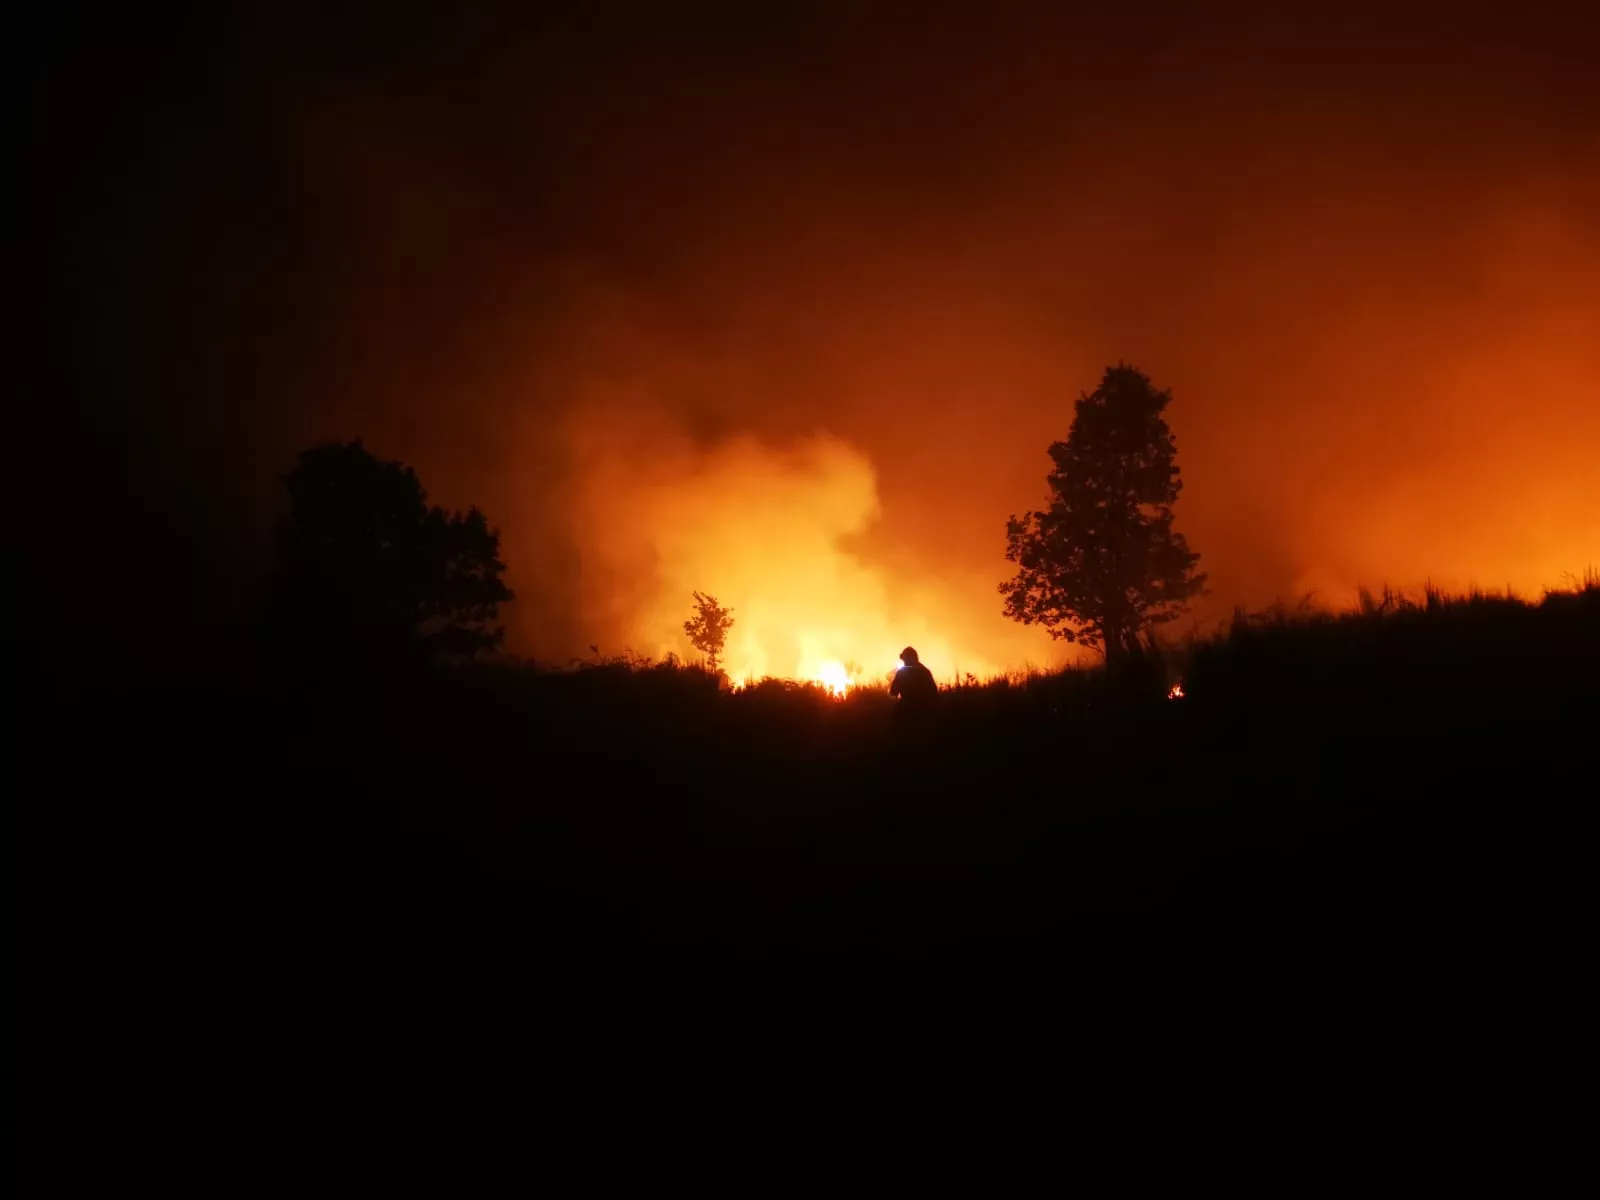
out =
column 789, row 308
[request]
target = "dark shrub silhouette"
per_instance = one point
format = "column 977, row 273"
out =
column 1103, row 564
column 369, row 573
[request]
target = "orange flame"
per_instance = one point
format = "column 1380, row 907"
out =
column 836, row 678
column 766, row 531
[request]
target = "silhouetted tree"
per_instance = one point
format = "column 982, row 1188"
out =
column 708, row 628
column 1102, row 564
column 367, row 568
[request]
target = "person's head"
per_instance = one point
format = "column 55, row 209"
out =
column 908, row 656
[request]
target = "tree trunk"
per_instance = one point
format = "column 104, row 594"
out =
column 1115, row 651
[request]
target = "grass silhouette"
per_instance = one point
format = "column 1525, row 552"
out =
column 231, row 897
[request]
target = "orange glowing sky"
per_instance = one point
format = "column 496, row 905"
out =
column 789, row 312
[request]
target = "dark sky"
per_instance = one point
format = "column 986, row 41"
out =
column 602, row 266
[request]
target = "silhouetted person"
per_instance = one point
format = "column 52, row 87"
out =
column 913, row 685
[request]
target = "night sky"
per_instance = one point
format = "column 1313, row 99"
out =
column 787, row 302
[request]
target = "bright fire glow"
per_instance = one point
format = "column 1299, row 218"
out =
column 768, row 531
column 836, row 678
column 1175, row 692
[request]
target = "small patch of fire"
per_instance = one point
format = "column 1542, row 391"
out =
column 836, row 678
column 1175, row 692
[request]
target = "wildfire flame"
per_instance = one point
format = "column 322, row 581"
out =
column 836, row 678
column 1175, row 692
column 766, row 530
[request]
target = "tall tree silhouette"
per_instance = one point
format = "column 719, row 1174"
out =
column 1102, row 564
column 367, row 568
column 708, row 628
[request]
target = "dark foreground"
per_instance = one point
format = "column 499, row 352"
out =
column 279, row 941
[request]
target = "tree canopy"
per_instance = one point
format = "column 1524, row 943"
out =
column 1102, row 565
column 365, row 566
column 708, row 628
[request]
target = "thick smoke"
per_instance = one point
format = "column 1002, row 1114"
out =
column 791, row 312
column 775, row 531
